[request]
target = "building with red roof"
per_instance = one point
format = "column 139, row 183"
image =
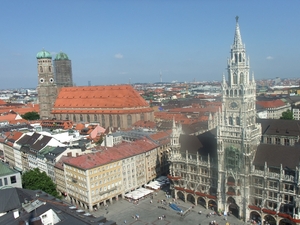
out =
column 114, row 106
column 272, row 109
column 109, row 172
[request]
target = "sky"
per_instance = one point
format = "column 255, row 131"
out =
column 132, row 41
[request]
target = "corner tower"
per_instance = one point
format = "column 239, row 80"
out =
column 63, row 70
column 47, row 90
column 238, row 134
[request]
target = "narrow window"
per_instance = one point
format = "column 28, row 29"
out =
column 13, row 180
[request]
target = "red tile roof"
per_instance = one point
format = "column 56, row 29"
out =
column 162, row 137
column 15, row 135
column 57, row 124
column 145, row 124
column 271, row 104
column 118, row 99
column 111, row 154
column 19, row 108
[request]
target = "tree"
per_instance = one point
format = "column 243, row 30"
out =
column 287, row 115
column 31, row 116
column 36, row 180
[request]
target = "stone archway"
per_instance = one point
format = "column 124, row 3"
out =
column 233, row 208
column 180, row 195
column 190, row 198
column 212, row 205
column 255, row 216
column 286, row 222
column 268, row 219
column 201, row 201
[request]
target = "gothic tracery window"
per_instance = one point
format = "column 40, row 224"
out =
column 232, row 158
column 242, row 77
column 235, row 78
column 238, row 122
column 230, row 121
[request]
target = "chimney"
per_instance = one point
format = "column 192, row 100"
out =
column 69, row 154
column 77, row 154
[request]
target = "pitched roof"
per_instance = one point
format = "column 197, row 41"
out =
column 280, row 127
column 112, row 154
column 5, row 170
column 275, row 155
column 12, row 198
column 145, row 124
column 205, row 144
column 271, row 104
column 100, row 99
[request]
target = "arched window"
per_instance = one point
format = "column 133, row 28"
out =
column 129, row 120
column 238, row 122
column 227, row 92
column 235, row 78
column 230, row 121
column 80, row 118
column 118, row 121
column 240, row 58
column 142, row 116
column 103, row 120
column 95, row 117
column 236, row 57
column 41, row 69
column 242, row 78
column 88, row 117
column 110, row 121
column 60, row 116
column 74, row 118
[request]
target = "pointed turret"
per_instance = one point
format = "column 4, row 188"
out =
column 237, row 42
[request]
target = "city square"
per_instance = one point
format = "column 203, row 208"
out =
column 144, row 212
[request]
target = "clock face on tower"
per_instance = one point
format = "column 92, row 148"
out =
column 233, row 105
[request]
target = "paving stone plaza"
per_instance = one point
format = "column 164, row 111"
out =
column 149, row 213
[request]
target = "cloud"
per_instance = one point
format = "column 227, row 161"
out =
column 118, row 56
column 123, row 73
column 269, row 58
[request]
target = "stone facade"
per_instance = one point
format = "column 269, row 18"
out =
column 250, row 173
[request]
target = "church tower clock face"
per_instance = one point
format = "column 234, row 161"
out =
column 233, row 105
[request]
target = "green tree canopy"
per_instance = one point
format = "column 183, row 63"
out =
column 31, row 116
column 37, row 180
column 287, row 115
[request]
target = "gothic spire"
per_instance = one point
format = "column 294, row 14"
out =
column 237, row 42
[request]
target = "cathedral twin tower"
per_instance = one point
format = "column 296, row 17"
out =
column 50, row 81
